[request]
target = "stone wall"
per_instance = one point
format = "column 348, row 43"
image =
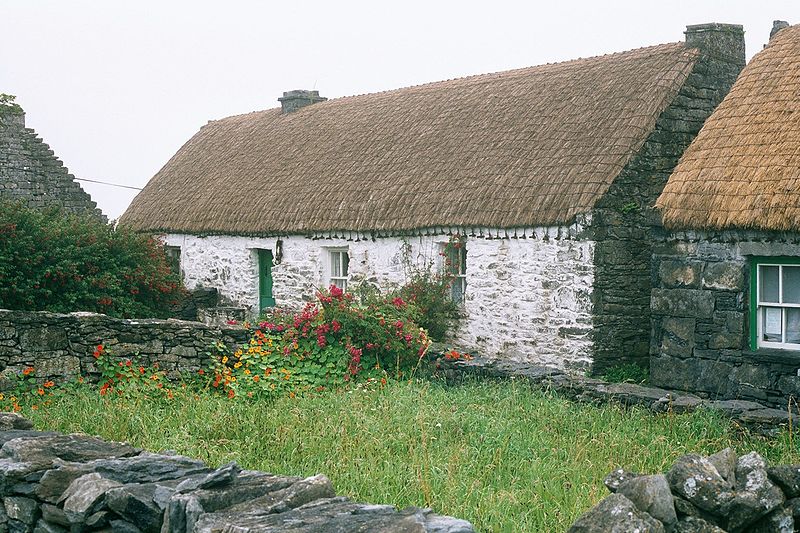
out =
column 54, row 483
column 700, row 317
column 528, row 293
column 60, row 346
column 621, row 220
column 31, row 173
column 716, row 494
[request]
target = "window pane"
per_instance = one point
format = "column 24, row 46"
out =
column 791, row 284
column 345, row 263
column 336, row 264
column 771, row 324
column 792, row 325
column 768, row 284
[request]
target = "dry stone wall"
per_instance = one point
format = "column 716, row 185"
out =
column 717, row 494
column 54, row 483
column 30, row 172
column 60, row 346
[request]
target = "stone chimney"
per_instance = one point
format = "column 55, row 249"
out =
column 777, row 25
column 294, row 100
column 723, row 42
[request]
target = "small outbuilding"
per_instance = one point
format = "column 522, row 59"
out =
column 544, row 174
column 726, row 269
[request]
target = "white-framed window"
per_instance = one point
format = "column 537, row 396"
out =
column 777, row 304
column 456, row 264
column 338, row 267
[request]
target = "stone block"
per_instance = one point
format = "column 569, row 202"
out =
column 677, row 273
column 725, row 275
column 677, row 336
column 693, row 374
column 725, row 340
column 690, row 303
column 43, row 339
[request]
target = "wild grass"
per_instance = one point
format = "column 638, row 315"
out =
column 498, row 454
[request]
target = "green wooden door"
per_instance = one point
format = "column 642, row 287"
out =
column 265, row 298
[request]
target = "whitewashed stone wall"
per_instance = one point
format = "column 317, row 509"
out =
column 528, row 299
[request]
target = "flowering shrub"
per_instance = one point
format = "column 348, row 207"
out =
column 124, row 378
column 332, row 341
column 27, row 390
column 54, row 261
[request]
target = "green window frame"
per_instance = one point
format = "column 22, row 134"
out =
column 265, row 296
column 774, row 314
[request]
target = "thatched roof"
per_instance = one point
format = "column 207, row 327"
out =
column 528, row 147
column 743, row 169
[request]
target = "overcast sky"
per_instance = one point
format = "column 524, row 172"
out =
column 117, row 87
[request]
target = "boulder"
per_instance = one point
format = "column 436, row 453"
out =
column 616, row 513
column 85, row 495
column 134, row 502
column 652, row 495
column 25, row 510
column 787, row 477
column 755, row 496
column 693, row 524
column 616, row 478
column 695, row 479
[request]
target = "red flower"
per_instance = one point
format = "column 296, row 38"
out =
column 201, row 372
column 141, row 370
column 336, row 292
column 398, row 302
column 231, row 393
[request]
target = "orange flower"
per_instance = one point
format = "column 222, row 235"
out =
column 231, row 393
column 29, row 370
column 256, row 378
column 201, row 372
column 34, row 407
column 49, row 384
column 141, row 370
column 40, row 392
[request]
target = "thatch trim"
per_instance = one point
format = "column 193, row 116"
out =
column 527, row 147
column 743, row 169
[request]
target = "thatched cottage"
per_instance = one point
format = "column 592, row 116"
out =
column 726, row 297
column 545, row 173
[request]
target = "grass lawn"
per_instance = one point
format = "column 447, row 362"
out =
column 498, row 454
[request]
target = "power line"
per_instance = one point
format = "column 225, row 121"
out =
column 112, row 184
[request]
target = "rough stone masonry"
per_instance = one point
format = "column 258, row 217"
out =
column 54, row 483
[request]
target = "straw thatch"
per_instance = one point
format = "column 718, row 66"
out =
column 743, row 169
column 527, row 147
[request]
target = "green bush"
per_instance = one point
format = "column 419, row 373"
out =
column 51, row 260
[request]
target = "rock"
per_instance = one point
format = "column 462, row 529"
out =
column 734, row 407
column 55, row 481
column 794, row 506
column 616, row 513
column 222, row 476
column 295, row 495
column 22, row 509
column 54, row 514
column 340, row 515
column 778, row 521
column 756, row 495
column 43, row 526
column 695, row 479
column 134, row 502
column 14, row 421
column 725, row 463
column 652, row 495
column 98, row 519
column 74, row 448
column 12, row 434
column 149, row 468
column 616, row 478
column 692, row 524
column 84, row 495
column 787, row 477
column 123, row 526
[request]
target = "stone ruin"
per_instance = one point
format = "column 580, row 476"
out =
column 722, row 493
column 54, row 483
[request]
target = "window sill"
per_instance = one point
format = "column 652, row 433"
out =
column 773, row 355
